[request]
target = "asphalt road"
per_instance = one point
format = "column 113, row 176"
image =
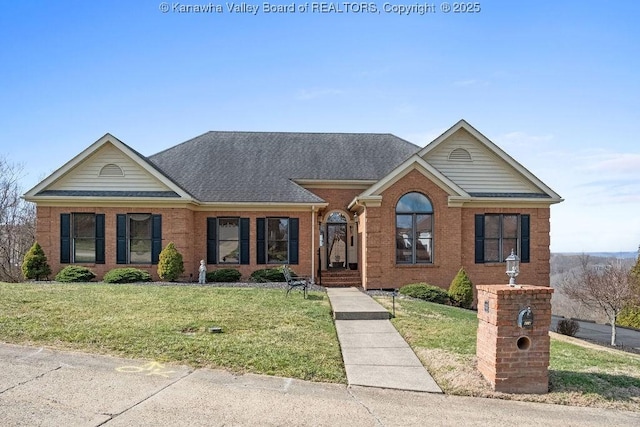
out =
column 602, row 333
column 42, row 387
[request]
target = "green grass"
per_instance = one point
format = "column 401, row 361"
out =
column 263, row 330
column 445, row 340
column 269, row 333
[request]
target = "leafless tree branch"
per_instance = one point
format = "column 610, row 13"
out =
column 17, row 222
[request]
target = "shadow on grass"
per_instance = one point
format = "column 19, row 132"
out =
column 621, row 387
column 315, row 297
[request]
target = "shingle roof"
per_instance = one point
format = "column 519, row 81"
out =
column 260, row 166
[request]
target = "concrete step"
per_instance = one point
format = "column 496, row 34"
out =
column 352, row 304
column 341, row 278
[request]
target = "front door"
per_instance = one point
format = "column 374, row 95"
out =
column 336, row 246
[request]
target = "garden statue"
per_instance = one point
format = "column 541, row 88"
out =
column 202, row 276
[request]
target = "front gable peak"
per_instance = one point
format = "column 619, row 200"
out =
column 108, row 168
column 481, row 168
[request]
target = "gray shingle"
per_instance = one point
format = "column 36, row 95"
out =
column 260, row 166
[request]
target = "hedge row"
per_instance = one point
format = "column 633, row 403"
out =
column 77, row 273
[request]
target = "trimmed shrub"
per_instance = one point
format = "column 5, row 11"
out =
column 268, row 275
column 35, row 265
column 126, row 275
column 425, row 292
column 224, row 275
column 630, row 316
column 461, row 290
column 75, row 273
column 568, row 327
column 170, row 265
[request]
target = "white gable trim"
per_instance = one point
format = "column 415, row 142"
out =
column 32, row 195
column 462, row 124
column 415, row 162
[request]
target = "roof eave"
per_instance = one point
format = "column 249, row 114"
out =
column 529, row 202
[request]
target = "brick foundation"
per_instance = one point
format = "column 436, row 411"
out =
column 514, row 359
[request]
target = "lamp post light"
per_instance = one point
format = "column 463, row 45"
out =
column 513, row 267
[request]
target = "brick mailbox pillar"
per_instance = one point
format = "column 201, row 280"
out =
column 513, row 337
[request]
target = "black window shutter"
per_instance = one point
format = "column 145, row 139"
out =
column 479, row 239
column 65, row 238
column 525, row 231
column 156, row 238
column 260, row 241
column 121, row 239
column 244, row 240
column 293, row 240
column 212, row 240
column 100, row 239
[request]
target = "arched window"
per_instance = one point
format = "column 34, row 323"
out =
column 414, row 229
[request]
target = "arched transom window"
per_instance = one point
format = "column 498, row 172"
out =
column 414, row 229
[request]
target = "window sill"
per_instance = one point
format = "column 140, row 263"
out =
column 428, row 265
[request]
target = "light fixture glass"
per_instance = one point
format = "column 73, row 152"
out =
column 513, row 267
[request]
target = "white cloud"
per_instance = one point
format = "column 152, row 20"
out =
column 617, row 163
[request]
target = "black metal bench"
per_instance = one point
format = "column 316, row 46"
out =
column 295, row 282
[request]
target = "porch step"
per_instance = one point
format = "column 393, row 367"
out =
column 341, row 278
column 352, row 304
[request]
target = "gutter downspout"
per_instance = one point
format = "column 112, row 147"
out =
column 313, row 243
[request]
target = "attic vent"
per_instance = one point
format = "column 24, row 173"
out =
column 111, row 170
column 460, row 154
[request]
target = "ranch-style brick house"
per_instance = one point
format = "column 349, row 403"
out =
column 371, row 210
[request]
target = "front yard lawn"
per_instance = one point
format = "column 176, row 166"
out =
column 444, row 338
column 263, row 330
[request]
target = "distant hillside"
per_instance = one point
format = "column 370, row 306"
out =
column 617, row 255
column 563, row 264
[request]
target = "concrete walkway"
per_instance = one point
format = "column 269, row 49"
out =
column 374, row 353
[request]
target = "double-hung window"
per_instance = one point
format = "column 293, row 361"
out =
column 277, row 241
column 138, row 238
column 498, row 234
column 82, row 238
column 227, row 240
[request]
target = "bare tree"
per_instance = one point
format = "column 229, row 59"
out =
column 607, row 288
column 17, row 222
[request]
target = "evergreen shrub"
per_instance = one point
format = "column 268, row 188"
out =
column 35, row 265
column 170, row 264
column 268, row 275
column 426, row 292
column 224, row 275
column 630, row 317
column 461, row 290
column 126, row 275
column 75, row 273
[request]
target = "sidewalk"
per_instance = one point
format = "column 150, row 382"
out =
column 42, row 387
column 374, row 353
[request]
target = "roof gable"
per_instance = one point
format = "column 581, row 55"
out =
column 107, row 168
column 415, row 162
column 480, row 167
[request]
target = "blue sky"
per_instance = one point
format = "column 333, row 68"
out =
column 555, row 84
